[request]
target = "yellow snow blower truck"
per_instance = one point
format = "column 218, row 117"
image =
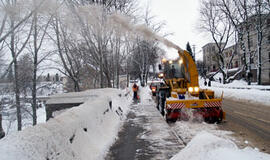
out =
column 180, row 97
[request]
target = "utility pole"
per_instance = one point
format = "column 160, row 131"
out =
column 194, row 54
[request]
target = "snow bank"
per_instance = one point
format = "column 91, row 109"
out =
column 238, row 90
column 244, row 95
column 84, row 132
column 207, row 146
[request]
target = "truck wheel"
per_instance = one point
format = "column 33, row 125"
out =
column 170, row 120
column 167, row 119
column 220, row 117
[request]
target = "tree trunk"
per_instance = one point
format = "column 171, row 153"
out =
column 16, row 79
column 259, row 44
column 2, row 133
column 17, row 94
column 249, row 56
column 117, row 62
column 101, row 71
column 127, row 79
column 248, row 43
column 34, row 78
column 76, row 86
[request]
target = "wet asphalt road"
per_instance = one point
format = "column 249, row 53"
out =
column 250, row 122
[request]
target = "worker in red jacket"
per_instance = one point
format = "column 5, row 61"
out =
column 135, row 89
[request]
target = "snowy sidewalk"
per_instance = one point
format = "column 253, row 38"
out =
column 145, row 135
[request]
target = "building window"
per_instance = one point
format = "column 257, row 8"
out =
column 269, row 56
column 251, row 60
column 268, row 39
column 213, row 49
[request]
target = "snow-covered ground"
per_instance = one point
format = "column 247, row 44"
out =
column 238, row 90
column 8, row 109
column 84, row 132
column 10, row 124
column 206, row 146
column 87, row 132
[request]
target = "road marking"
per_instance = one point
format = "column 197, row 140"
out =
column 265, row 121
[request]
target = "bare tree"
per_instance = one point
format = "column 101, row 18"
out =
column 40, row 26
column 261, row 12
column 25, row 70
column 9, row 8
column 239, row 11
column 68, row 51
column 216, row 23
column 17, row 42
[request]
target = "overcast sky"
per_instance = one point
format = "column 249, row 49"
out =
column 181, row 17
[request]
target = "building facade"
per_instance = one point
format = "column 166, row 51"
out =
column 210, row 60
column 210, row 52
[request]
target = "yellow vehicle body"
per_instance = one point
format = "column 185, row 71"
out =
column 181, row 91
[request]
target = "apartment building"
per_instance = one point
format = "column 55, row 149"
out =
column 210, row 52
column 209, row 57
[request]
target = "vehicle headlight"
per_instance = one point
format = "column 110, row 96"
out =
column 161, row 75
column 180, row 61
column 164, row 60
column 196, row 89
column 190, row 89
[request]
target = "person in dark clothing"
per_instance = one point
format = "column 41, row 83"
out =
column 135, row 89
column 209, row 83
column 173, row 71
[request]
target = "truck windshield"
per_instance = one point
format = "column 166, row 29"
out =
column 174, row 70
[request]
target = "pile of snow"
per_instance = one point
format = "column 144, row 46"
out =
column 189, row 129
column 238, row 90
column 208, row 146
column 84, row 132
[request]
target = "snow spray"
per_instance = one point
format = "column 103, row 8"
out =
column 142, row 30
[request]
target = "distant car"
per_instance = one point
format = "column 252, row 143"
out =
column 153, row 86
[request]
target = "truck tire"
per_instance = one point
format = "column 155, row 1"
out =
column 170, row 120
column 220, row 117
